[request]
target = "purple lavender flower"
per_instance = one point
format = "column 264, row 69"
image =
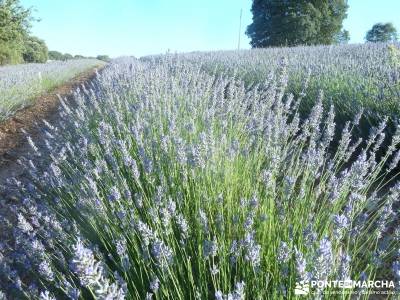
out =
column 84, row 265
column 239, row 290
column 72, row 292
column 171, row 207
column 46, row 271
column 214, row 270
column 301, row 265
column 135, row 169
column 234, row 251
column 251, row 250
column 238, row 294
column 344, row 267
column 23, row 224
column 219, row 295
column 114, row 194
column 183, row 226
column 163, row 255
column 165, row 217
column 155, row 285
column 203, row 220
column 341, row 223
column 33, row 146
column 123, row 254
column 323, row 260
column 145, row 232
column 210, row 248
column 284, row 252
column 109, row 291
column 46, row 296
column 396, row 269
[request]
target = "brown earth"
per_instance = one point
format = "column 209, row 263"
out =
column 13, row 142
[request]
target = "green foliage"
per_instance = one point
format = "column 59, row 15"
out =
column 67, row 56
column 296, row 22
column 16, row 45
column 55, row 55
column 14, row 26
column 14, row 21
column 382, row 33
column 35, row 50
column 343, row 37
column 10, row 53
column 103, row 58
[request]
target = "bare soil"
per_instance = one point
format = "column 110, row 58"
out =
column 13, row 142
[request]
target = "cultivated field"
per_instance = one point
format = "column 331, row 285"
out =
column 20, row 84
column 212, row 176
column 352, row 76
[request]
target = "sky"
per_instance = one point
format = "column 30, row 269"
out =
column 145, row 27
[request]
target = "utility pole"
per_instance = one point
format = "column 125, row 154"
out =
column 240, row 27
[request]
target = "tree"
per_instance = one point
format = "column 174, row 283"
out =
column 10, row 53
column 105, row 58
column 55, row 55
column 382, row 33
column 343, row 37
column 15, row 22
column 67, row 56
column 35, row 50
column 295, row 22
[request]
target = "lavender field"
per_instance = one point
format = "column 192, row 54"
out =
column 212, row 176
column 20, row 84
column 353, row 77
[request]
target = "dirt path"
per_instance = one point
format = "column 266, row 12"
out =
column 13, row 142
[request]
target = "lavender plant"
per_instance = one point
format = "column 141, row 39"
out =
column 166, row 182
column 20, row 84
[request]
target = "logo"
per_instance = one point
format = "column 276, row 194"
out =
column 340, row 286
column 302, row 288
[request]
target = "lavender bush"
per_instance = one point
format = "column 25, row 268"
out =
column 166, row 182
column 19, row 84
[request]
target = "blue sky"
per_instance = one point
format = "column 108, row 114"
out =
column 142, row 27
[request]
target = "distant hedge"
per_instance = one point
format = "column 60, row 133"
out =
column 103, row 57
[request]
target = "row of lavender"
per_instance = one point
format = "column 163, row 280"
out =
column 166, row 182
column 20, row 84
column 352, row 76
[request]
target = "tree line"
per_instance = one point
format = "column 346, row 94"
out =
column 55, row 55
column 278, row 23
column 17, row 45
column 275, row 23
